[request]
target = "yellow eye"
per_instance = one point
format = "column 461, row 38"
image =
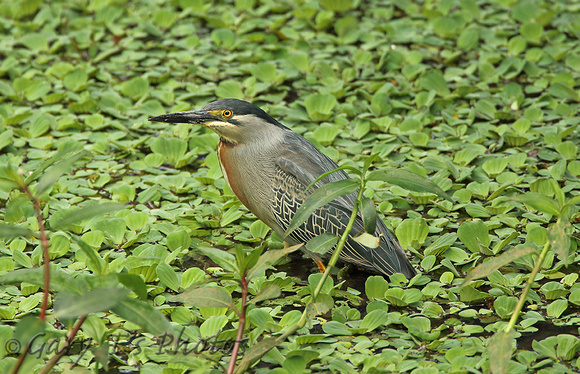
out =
column 227, row 113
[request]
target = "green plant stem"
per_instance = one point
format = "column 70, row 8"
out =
column 341, row 242
column 524, row 295
column 69, row 341
column 241, row 325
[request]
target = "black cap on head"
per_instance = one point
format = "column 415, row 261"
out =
column 240, row 108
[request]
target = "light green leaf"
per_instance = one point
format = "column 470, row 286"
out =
column 168, row 276
column 369, row 215
column 500, row 348
column 259, row 229
column 255, row 352
column 135, row 283
column 6, row 138
column 271, row 291
column 408, row 180
column 265, row 72
column 269, row 259
column 75, row 216
column 336, row 328
column 94, row 261
column 299, row 60
column 434, row 80
column 338, row 5
column 210, row 297
column 135, row 88
column 568, row 346
column 172, row 148
column 229, row 88
column 476, row 211
column 441, row 244
column 224, row 259
column 367, row 240
column 493, row 264
column 8, row 231
column 539, row 202
column 375, row 287
column 556, row 308
column 319, row 107
column 144, row 315
column 475, row 236
column 505, row 305
column 76, row 80
column 22, row 259
column 178, row 239
column 53, row 173
column 68, row 305
column 230, row 216
column 212, row 326
column 374, row 319
column 223, row 38
column 59, row 280
column 260, row 318
column 494, row 166
column 322, row 243
column 531, row 31
column 136, row 220
column 559, row 235
column 468, row 39
column 412, row 232
column 191, row 276
column 114, row 227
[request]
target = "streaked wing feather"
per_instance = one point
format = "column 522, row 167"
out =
column 294, row 172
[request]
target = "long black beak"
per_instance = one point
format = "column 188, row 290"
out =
column 198, row 117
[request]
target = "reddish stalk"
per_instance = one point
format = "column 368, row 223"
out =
column 45, row 260
column 46, row 264
column 44, row 246
column 242, row 324
column 69, row 341
column 21, row 359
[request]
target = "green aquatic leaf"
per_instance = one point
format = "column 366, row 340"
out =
column 408, row 180
column 210, row 297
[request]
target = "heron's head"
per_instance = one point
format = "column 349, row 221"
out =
column 235, row 121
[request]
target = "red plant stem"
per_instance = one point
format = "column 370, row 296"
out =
column 44, row 246
column 50, row 364
column 46, row 263
column 241, row 325
column 69, row 341
column 21, row 359
column 45, row 260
